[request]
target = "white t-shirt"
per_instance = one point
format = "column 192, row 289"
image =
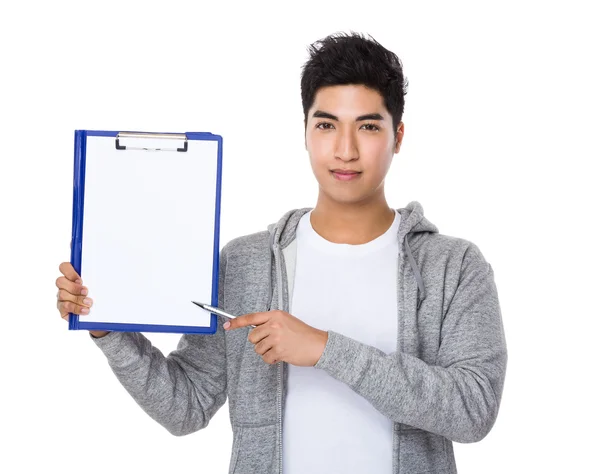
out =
column 351, row 289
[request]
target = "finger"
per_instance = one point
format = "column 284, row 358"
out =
column 85, row 301
column 263, row 346
column 270, row 357
column 65, row 316
column 248, row 319
column 63, row 283
column 258, row 334
column 68, row 271
column 63, row 312
column 66, row 307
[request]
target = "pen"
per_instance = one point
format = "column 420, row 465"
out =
column 220, row 312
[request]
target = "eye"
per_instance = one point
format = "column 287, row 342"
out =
column 327, row 125
column 371, row 127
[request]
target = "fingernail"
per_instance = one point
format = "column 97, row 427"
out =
column 87, row 301
column 84, row 291
column 85, row 310
column 78, row 281
column 226, row 325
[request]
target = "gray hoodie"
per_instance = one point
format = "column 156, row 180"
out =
column 444, row 383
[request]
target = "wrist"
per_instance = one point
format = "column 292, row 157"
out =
column 323, row 338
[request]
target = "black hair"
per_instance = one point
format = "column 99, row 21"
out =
column 341, row 59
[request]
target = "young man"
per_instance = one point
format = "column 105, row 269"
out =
column 378, row 340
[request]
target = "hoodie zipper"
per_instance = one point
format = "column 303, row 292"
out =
column 279, row 278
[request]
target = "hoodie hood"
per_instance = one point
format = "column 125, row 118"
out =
column 413, row 223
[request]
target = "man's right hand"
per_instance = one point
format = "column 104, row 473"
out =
column 72, row 296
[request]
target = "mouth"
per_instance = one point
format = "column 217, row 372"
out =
column 345, row 175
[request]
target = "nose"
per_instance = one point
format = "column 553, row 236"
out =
column 346, row 149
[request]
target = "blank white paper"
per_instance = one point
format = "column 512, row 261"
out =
column 148, row 233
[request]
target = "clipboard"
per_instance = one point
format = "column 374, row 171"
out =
column 145, row 229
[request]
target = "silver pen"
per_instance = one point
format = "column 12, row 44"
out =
column 220, row 312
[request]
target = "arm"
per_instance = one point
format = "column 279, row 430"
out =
column 181, row 391
column 459, row 396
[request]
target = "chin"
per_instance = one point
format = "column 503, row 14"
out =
column 346, row 198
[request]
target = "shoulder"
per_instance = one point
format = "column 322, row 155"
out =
column 452, row 250
column 250, row 245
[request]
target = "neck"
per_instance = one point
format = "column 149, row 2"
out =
column 351, row 223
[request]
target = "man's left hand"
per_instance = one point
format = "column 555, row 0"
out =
column 279, row 336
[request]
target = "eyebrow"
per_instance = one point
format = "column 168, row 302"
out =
column 321, row 114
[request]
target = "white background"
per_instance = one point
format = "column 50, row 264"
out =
column 500, row 145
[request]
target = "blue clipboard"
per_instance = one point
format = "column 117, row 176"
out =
column 145, row 229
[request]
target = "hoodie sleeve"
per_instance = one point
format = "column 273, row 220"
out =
column 458, row 397
column 181, row 391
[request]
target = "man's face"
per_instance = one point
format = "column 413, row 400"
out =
column 349, row 128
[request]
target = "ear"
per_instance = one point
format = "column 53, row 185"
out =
column 399, row 137
column 305, row 145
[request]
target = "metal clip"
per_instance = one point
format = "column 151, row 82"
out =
column 156, row 136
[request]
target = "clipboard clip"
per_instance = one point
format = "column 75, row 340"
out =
column 155, row 137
